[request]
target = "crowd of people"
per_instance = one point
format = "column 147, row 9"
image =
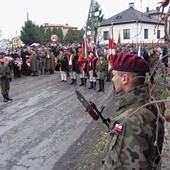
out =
column 72, row 62
column 137, row 127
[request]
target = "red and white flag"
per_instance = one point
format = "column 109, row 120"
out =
column 111, row 48
column 90, row 45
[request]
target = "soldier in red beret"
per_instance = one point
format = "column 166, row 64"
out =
column 137, row 129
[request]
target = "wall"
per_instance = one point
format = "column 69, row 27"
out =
column 135, row 29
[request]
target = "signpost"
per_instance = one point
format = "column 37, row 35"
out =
column 54, row 37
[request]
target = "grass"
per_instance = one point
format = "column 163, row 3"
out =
column 160, row 88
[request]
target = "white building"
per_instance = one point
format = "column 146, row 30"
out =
column 133, row 26
column 64, row 27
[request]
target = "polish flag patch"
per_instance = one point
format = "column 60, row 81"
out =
column 118, row 127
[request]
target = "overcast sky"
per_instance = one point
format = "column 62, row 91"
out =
column 13, row 13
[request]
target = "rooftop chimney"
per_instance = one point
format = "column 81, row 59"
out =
column 147, row 9
column 158, row 8
column 131, row 4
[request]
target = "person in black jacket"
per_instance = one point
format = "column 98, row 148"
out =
column 63, row 64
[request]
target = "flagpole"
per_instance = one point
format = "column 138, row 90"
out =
column 85, row 46
column 112, row 28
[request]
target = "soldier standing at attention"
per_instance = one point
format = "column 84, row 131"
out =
column 137, row 131
column 91, row 69
column 5, row 79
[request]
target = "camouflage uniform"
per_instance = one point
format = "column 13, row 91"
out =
column 5, row 78
column 133, row 146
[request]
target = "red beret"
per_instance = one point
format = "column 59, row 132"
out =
column 125, row 61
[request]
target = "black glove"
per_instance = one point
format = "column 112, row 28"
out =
column 10, row 79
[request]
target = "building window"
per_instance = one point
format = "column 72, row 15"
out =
column 158, row 34
column 145, row 33
column 126, row 34
column 106, row 35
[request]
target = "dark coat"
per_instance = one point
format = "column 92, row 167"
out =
column 74, row 66
column 63, row 61
column 91, row 65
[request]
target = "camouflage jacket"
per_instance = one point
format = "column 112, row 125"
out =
column 133, row 141
column 5, row 71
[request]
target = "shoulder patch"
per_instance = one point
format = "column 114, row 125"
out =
column 118, row 128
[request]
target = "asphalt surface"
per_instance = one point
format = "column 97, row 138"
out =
column 43, row 121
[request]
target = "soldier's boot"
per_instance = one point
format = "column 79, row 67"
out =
column 94, row 85
column 100, row 85
column 5, row 98
column 41, row 71
column 75, row 81
column 91, row 85
column 82, row 82
column 45, row 71
column 72, row 81
column 51, row 71
column 108, row 77
column 85, row 81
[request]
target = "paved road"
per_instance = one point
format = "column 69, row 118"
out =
column 42, row 122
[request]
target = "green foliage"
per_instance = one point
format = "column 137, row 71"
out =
column 28, row 33
column 160, row 87
column 60, row 35
column 31, row 33
column 73, row 36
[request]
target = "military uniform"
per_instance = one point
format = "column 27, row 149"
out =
column 101, row 70
column 5, row 78
column 133, row 143
column 33, row 64
column 50, row 62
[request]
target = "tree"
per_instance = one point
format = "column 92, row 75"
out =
column 73, row 36
column 60, row 35
column 40, row 36
column 31, row 33
column 28, row 32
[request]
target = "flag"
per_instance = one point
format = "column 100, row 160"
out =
column 119, row 39
column 111, row 42
column 118, row 128
column 140, row 52
column 90, row 45
column 84, row 47
column 111, row 49
column 83, row 53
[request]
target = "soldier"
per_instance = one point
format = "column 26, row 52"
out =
column 50, row 61
column 137, row 131
column 82, row 64
column 91, row 69
column 63, row 62
column 101, row 70
column 5, row 79
column 34, row 65
column 73, row 67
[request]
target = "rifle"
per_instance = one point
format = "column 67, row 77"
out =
column 92, row 109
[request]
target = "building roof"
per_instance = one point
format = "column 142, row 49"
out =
column 65, row 26
column 130, row 15
column 153, row 12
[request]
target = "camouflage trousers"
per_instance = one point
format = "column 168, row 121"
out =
column 5, row 86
